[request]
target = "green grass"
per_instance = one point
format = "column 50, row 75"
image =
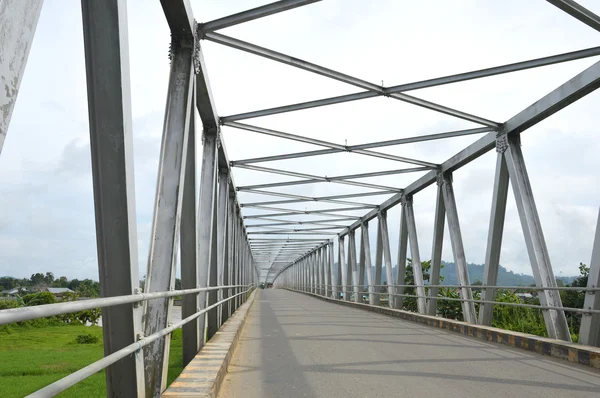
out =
column 32, row 358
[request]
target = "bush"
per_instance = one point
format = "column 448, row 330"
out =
column 39, row 298
column 8, row 303
column 86, row 339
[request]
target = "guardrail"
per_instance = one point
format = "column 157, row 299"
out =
column 13, row 315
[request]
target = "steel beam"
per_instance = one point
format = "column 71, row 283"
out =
column 111, row 144
column 353, row 266
column 578, row 11
column 189, row 248
column 556, row 322
column 160, row 275
column 252, row 14
column 535, row 63
column 402, row 249
column 363, row 261
column 331, row 145
column 494, row 243
column 462, row 273
column 223, row 198
column 378, row 144
column 376, row 282
column 18, row 20
column 436, row 251
column 414, row 253
column 564, row 95
column 589, row 332
column 387, row 258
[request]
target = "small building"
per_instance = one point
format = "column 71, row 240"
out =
column 13, row 292
column 58, row 291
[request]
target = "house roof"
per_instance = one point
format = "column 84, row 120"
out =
column 13, row 290
column 57, row 290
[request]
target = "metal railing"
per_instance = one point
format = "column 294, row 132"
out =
column 21, row 314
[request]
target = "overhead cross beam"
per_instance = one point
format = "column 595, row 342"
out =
column 252, row 14
column 578, row 11
column 359, row 147
column 378, row 90
column 498, row 70
column 336, row 147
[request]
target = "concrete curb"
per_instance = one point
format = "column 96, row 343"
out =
column 573, row 352
column 205, row 373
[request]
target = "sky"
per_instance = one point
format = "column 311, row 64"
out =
column 46, row 201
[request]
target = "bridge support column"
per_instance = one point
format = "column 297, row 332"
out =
column 556, row 322
column 494, row 243
column 414, row 253
column 353, row 265
column 160, row 275
column 344, row 268
column 222, row 238
column 468, row 307
column 436, row 251
column 189, row 248
column 334, row 282
column 366, row 262
column 387, row 257
column 378, row 265
column 402, row 248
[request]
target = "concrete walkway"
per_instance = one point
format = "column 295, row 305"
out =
column 297, row 346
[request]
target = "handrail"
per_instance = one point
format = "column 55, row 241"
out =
column 83, row 373
column 46, row 310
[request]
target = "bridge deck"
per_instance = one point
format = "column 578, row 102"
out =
column 297, row 346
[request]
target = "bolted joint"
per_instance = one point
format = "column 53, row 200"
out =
column 406, row 200
column 501, row 143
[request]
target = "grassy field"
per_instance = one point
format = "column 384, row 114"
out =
column 32, row 358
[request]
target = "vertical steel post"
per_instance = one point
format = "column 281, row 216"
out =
column 366, row 261
column 402, row 248
column 206, row 205
column 556, row 322
column 228, row 257
column 387, row 256
column 361, row 270
column 353, row 265
column 462, row 273
column 221, row 237
column 590, row 323
column 494, row 243
column 188, row 246
column 414, row 254
column 436, row 250
column 332, row 266
column 111, row 144
column 378, row 265
column 343, row 267
column 327, row 270
column 167, row 213
column 18, row 20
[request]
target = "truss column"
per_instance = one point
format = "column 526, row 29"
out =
column 19, row 20
column 333, row 280
column 206, row 225
column 387, row 257
column 342, row 265
column 436, row 251
column 366, row 261
column 556, row 322
column 222, row 238
column 458, row 249
column 494, row 243
column 414, row 253
column 162, row 260
column 378, row 266
column 353, row 265
column 111, row 144
column 402, row 248
column 188, row 246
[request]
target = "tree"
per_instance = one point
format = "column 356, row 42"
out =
column 49, row 278
column 575, row 299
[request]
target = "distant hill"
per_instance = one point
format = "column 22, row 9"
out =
column 505, row 277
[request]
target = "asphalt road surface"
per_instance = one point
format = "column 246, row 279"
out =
column 294, row 345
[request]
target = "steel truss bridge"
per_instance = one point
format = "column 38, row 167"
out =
column 226, row 252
